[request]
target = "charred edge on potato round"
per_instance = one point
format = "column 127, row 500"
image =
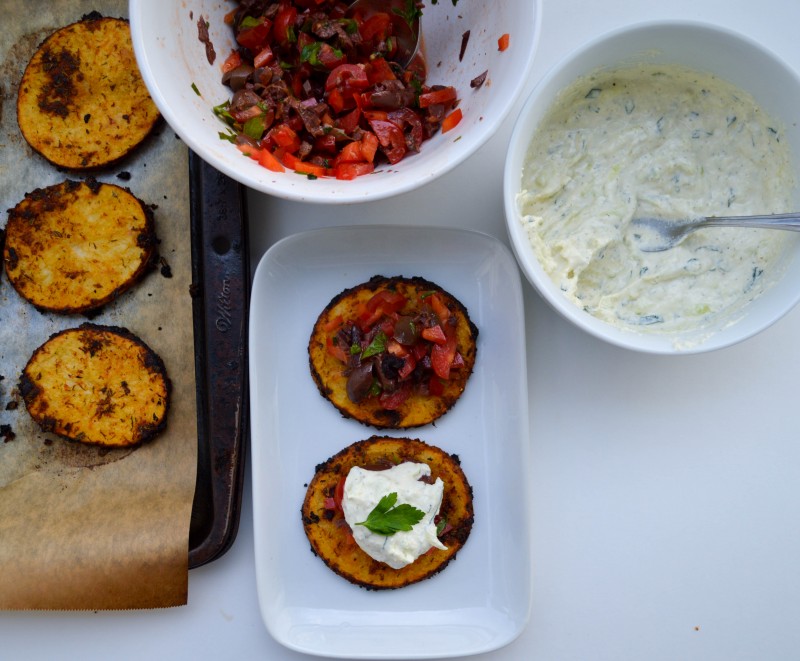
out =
column 28, row 225
column 49, row 421
column 82, row 103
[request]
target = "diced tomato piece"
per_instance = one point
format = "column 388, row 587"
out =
column 231, row 62
column 390, row 138
column 435, row 386
column 264, row 57
column 329, row 57
column 409, row 363
column 303, row 167
column 503, row 41
column 396, row 349
column 438, row 307
column 336, row 351
column 349, row 122
column 376, row 28
column 442, row 355
column 389, row 301
column 338, row 493
column 267, row 160
column 436, row 97
column 434, row 334
column 337, row 101
column 351, row 153
column 352, row 76
column 254, row 38
column 228, row 19
column 249, row 150
column 451, row 121
column 369, row 146
column 369, row 115
column 325, row 143
column 285, row 137
column 348, row 171
column 333, row 323
column 283, row 30
column 393, row 401
column 379, row 71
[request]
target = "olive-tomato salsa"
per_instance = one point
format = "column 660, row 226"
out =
column 320, row 92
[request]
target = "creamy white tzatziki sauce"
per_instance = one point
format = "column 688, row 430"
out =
column 659, row 141
column 363, row 489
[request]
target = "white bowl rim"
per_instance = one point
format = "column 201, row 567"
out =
column 324, row 193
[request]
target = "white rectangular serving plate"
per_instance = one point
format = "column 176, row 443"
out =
column 480, row 601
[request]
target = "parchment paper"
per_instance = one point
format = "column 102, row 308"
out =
column 82, row 527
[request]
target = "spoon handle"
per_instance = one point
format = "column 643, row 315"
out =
column 788, row 221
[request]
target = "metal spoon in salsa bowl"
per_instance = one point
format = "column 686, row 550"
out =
column 657, row 234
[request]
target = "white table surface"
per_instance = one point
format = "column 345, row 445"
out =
column 666, row 491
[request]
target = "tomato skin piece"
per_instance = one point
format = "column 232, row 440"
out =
column 452, row 120
column 349, row 171
column 369, row 146
column 393, row 401
column 434, row 334
column 438, row 307
column 435, row 97
column 285, row 137
column 347, row 75
column 231, row 62
column 338, row 493
column 380, row 71
column 442, row 355
column 283, row 28
column 264, row 57
column 503, row 42
column 376, row 28
column 268, row 160
column 390, row 138
column 255, row 38
column 388, row 301
column 336, row 351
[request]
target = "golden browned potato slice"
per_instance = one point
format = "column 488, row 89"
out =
column 394, row 399
column 330, row 536
column 75, row 246
column 99, row 385
column 82, row 102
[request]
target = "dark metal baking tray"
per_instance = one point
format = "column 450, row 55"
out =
column 220, row 295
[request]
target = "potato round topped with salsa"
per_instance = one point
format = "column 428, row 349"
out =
column 393, row 352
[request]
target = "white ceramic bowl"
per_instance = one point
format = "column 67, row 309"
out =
column 732, row 57
column 172, row 60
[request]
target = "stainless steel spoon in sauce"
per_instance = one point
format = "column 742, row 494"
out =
column 405, row 26
column 656, row 234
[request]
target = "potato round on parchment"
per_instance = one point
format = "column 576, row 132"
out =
column 330, row 536
column 82, row 102
column 393, row 352
column 75, row 246
column 99, row 385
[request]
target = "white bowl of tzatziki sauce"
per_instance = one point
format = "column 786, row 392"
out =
column 670, row 119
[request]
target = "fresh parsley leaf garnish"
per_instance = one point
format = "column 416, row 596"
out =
column 254, row 127
column 387, row 519
column 195, row 90
column 378, row 345
column 409, row 13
